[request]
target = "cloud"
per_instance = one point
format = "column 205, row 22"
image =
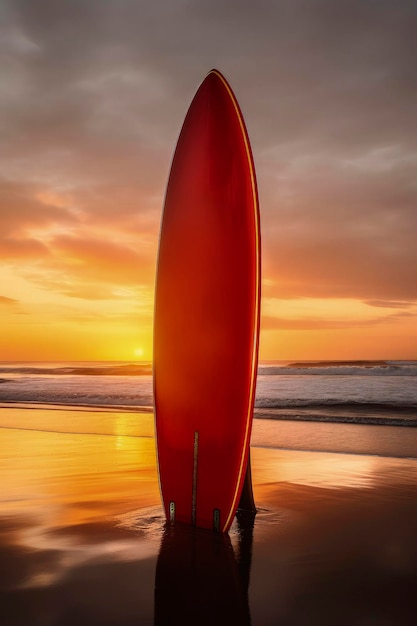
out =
column 4, row 300
column 94, row 96
column 71, row 251
column 93, row 269
column 339, row 232
column 21, row 210
column 331, row 314
column 102, row 259
column 280, row 323
column 397, row 304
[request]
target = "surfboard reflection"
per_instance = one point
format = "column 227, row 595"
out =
column 199, row 578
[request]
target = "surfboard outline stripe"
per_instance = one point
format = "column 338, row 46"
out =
column 257, row 290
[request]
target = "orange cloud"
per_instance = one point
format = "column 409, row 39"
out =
column 278, row 323
column 7, row 301
column 21, row 210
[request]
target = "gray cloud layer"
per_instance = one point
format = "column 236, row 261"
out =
column 93, row 94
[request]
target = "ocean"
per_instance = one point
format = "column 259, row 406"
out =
column 289, row 397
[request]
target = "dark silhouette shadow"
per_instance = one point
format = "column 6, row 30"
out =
column 245, row 523
column 199, row 578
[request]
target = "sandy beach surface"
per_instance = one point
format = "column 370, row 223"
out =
column 83, row 540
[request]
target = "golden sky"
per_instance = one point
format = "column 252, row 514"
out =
column 92, row 98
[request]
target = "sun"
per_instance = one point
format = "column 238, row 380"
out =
column 139, row 352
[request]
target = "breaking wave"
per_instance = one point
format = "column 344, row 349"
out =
column 125, row 369
column 341, row 368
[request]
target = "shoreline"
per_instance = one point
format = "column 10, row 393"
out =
column 322, row 435
column 352, row 413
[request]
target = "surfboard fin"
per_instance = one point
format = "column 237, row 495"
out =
column 247, row 501
column 172, row 512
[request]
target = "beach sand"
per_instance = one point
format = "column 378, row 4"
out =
column 82, row 536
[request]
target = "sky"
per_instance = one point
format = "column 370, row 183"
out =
column 93, row 94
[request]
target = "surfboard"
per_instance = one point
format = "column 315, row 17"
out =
column 206, row 318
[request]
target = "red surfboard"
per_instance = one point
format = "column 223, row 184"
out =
column 207, row 304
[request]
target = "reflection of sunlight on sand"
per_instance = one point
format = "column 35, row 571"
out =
column 97, row 421
column 68, row 478
column 329, row 470
column 73, row 552
column 63, row 490
column 121, row 425
column 315, row 468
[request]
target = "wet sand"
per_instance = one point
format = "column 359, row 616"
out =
column 82, row 536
